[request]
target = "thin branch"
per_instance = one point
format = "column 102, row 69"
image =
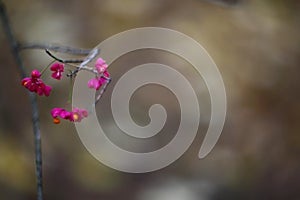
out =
column 54, row 47
column 68, row 62
column 61, row 60
column 86, row 68
column 11, row 39
column 93, row 53
column 103, row 90
column 34, row 108
column 83, row 66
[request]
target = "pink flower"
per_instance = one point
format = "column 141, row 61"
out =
column 97, row 82
column 94, row 83
column 101, row 65
column 35, row 74
column 59, row 112
column 76, row 115
column 57, row 69
column 35, row 84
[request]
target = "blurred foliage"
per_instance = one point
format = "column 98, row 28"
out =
column 256, row 45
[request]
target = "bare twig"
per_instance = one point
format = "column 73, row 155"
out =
column 34, row 108
column 93, row 53
column 86, row 68
column 54, row 47
column 61, row 60
column 103, row 90
column 68, row 62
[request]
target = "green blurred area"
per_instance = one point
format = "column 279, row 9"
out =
column 256, row 45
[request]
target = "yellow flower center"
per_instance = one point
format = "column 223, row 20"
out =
column 76, row 117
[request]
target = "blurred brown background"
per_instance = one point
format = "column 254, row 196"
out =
column 256, row 45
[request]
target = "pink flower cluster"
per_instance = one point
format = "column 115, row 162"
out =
column 101, row 79
column 35, row 84
column 76, row 115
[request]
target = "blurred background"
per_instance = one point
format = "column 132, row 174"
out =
column 255, row 44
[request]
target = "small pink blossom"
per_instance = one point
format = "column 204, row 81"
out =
column 101, row 65
column 94, row 83
column 57, row 69
column 35, row 74
column 35, row 84
column 59, row 112
column 76, row 115
column 97, row 82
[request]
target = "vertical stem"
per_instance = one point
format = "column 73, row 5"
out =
column 38, row 145
column 34, row 108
